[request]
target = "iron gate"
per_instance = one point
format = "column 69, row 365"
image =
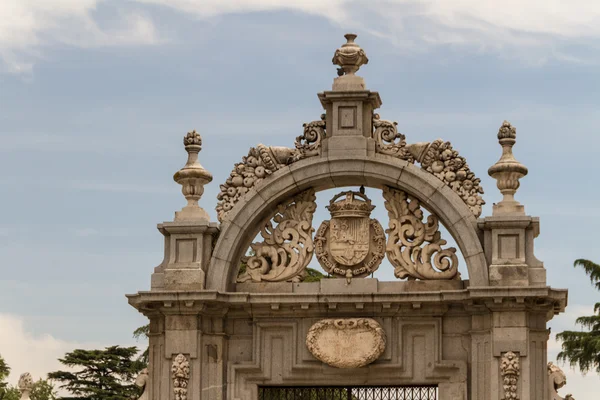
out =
column 348, row 393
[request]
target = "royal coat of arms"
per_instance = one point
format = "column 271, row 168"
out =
column 350, row 244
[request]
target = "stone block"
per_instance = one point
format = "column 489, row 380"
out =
column 306, row 287
column 181, row 341
column 357, row 285
column 184, row 279
column 264, row 287
column 509, row 275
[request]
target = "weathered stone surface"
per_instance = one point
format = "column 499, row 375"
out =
column 346, row 343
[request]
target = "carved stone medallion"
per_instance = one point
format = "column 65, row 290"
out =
column 350, row 244
column 346, row 343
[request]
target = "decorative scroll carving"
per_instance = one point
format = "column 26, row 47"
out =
column 262, row 161
column 25, row 385
column 389, row 141
column 556, row 380
column 437, row 158
column 142, row 381
column 180, row 372
column 351, row 244
column 309, row 143
column 287, row 248
column 510, row 370
column 414, row 247
column 346, row 343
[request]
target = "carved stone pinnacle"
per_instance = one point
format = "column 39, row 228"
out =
column 192, row 177
column 350, row 57
column 507, row 172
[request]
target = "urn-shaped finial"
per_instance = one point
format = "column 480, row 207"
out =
column 192, row 177
column 507, row 172
column 350, row 57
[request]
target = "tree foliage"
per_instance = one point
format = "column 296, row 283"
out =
column 41, row 390
column 100, row 374
column 142, row 333
column 582, row 348
column 4, row 372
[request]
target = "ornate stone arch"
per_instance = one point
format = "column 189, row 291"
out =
column 243, row 222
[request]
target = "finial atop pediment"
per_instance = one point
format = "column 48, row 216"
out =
column 192, row 177
column 507, row 171
column 350, row 57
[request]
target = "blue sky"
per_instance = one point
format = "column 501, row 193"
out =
column 95, row 97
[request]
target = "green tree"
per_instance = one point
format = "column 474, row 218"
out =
column 582, row 348
column 142, row 333
column 100, row 374
column 4, row 372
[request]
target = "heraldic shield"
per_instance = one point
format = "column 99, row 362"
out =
column 350, row 244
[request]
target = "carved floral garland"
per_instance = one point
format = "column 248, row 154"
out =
column 180, row 372
column 263, row 161
column 510, row 370
column 414, row 248
column 437, row 158
column 288, row 247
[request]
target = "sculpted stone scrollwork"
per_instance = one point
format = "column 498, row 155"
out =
column 142, row 381
column 25, row 385
column 346, row 343
column 414, row 247
column 263, row 161
column 180, row 372
column 288, row 247
column 437, row 157
column 556, row 380
column 350, row 244
column 510, row 369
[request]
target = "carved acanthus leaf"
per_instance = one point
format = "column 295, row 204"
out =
column 414, row 247
column 180, row 372
column 510, row 369
column 288, row 247
column 262, row 161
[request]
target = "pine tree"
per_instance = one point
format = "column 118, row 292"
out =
column 582, row 348
column 100, row 374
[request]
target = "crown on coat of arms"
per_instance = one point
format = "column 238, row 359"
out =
column 351, row 206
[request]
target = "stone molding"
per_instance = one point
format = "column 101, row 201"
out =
column 327, row 172
column 346, row 342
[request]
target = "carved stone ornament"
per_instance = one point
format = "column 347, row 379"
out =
column 351, row 244
column 346, row 343
column 350, row 57
column 288, row 247
column 180, row 372
column 510, row 369
column 414, row 247
column 25, row 385
column 556, row 380
column 262, row 161
column 142, row 381
column 437, row 157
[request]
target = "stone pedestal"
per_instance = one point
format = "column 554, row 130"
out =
column 508, row 244
column 188, row 248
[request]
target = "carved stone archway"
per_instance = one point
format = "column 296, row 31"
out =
column 243, row 222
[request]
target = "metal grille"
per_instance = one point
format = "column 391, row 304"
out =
column 349, row 393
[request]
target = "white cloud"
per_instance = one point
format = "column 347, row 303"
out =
column 534, row 30
column 26, row 26
column 26, row 352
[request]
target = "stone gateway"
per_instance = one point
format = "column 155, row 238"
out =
column 234, row 317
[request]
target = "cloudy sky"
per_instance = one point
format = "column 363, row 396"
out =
column 95, row 96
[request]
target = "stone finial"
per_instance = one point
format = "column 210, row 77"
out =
column 350, row 57
column 192, row 177
column 25, row 385
column 507, row 172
